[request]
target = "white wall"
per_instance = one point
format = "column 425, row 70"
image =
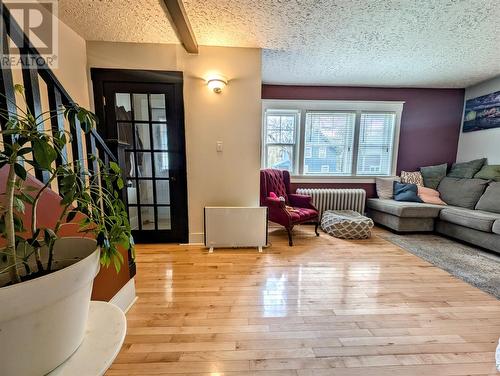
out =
column 485, row 143
column 227, row 178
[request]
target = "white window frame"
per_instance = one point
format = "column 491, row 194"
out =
column 296, row 131
column 302, row 106
column 325, row 168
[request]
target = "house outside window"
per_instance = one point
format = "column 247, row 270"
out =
column 322, row 152
column 280, row 139
column 331, row 138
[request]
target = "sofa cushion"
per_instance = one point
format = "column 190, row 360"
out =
column 462, row 192
column 490, row 200
column 489, row 172
column 476, row 219
column 430, row 196
column 404, row 209
column 466, row 169
column 413, row 177
column 406, row 192
column 385, row 187
column 433, row 174
column 496, row 227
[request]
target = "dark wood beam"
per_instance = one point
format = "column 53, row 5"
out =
column 180, row 23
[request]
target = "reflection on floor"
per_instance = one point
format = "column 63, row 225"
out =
column 361, row 307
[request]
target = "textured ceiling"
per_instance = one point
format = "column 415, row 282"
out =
column 426, row 43
column 141, row 21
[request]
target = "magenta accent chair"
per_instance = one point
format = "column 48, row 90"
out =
column 278, row 181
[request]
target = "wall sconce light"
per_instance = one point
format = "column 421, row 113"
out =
column 216, row 84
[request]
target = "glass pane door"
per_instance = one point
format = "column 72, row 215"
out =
column 142, row 127
column 141, row 118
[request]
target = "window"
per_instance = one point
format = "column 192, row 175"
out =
column 308, row 152
column 280, row 139
column 375, row 144
column 331, row 138
column 331, row 134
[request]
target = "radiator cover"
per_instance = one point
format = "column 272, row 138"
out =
column 227, row 226
column 336, row 199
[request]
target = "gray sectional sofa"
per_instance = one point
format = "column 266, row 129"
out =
column 467, row 217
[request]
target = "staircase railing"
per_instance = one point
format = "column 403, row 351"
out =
column 56, row 94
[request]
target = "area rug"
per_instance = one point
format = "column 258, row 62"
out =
column 472, row 265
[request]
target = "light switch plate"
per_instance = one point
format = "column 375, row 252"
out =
column 219, row 146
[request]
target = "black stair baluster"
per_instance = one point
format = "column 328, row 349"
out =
column 7, row 95
column 57, row 122
column 33, row 101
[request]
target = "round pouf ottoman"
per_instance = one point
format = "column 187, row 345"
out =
column 346, row 224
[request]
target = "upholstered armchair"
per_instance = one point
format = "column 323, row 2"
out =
column 295, row 209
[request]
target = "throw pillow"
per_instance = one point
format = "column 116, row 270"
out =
column 385, row 186
column 490, row 200
column 406, row 192
column 414, row 177
column 491, row 172
column 433, row 174
column 466, row 169
column 462, row 192
column 430, row 196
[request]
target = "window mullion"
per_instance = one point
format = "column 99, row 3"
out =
column 355, row 146
column 301, row 141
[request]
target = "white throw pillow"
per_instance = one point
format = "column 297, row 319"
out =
column 385, row 187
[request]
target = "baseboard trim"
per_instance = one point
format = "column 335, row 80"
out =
column 125, row 298
column 197, row 238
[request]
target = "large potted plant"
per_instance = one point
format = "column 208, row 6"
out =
column 45, row 279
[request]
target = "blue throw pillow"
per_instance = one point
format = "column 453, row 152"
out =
column 406, row 192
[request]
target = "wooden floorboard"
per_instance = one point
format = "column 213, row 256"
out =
column 323, row 307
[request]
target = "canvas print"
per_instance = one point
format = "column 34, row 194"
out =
column 482, row 113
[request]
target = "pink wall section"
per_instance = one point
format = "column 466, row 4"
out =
column 108, row 282
column 430, row 123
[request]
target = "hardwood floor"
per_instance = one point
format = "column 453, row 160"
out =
column 323, row 307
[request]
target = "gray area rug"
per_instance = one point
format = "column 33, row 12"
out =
column 472, row 265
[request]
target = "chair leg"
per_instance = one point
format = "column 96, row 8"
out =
column 290, row 241
column 316, row 229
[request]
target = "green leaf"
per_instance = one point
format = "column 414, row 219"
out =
column 27, row 198
column 19, row 205
column 119, row 183
column 24, row 151
column 114, row 166
column 20, row 171
column 44, row 153
column 18, row 224
column 117, row 263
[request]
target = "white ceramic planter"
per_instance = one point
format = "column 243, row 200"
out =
column 42, row 321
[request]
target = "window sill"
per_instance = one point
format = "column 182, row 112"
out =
column 336, row 179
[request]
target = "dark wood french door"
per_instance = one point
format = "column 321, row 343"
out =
column 142, row 120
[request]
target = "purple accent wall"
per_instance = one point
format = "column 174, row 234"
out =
column 430, row 123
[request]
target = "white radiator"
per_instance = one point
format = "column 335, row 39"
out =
column 336, row 199
column 235, row 227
